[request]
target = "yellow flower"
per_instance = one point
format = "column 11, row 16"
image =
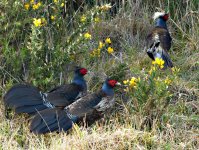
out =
column 162, row 66
column 96, row 19
column 32, row 1
column 98, row 52
column 167, row 81
column 87, row 36
column 101, row 45
column 39, row 4
column 110, row 50
column 62, row 4
column 52, row 17
column 43, row 21
column 159, row 62
column 55, row 1
column 132, row 82
column 37, row 22
column 26, row 6
column 95, row 53
column 83, row 19
column 36, row 6
column 151, row 70
column 92, row 55
column 126, row 81
column 105, row 7
column 108, row 41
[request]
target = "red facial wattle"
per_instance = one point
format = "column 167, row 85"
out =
column 166, row 17
column 83, row 71
column 112, row 83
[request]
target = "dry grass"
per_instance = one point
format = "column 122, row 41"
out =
column 178, row 133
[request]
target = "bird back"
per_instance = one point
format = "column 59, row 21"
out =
column 64, row 95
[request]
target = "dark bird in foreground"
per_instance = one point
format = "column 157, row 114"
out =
column 29, row 99
column 88, row 108
column 159, row 40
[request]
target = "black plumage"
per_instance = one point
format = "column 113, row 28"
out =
column 68, row 92
column 91, row 105
column 160, row 35
column 29, row 99
column 50, row 120
column 24, row 98
column 88, row 108
column 159, row 40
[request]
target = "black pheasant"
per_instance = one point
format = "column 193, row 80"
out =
column 89, row 108
column 29, row 99
column 159, row 40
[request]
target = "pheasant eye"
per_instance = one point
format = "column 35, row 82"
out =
column 112, row 83
column 83, row 71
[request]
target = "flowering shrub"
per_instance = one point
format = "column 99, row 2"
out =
column 87, row 36
column 159, row 62
column 150, row 92
column 49, row 43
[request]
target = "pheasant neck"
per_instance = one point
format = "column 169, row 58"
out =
column 107, row 90
column 161, row 23
column 79, row 80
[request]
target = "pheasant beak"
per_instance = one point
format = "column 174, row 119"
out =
column 90, row 73
column 119, row 84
